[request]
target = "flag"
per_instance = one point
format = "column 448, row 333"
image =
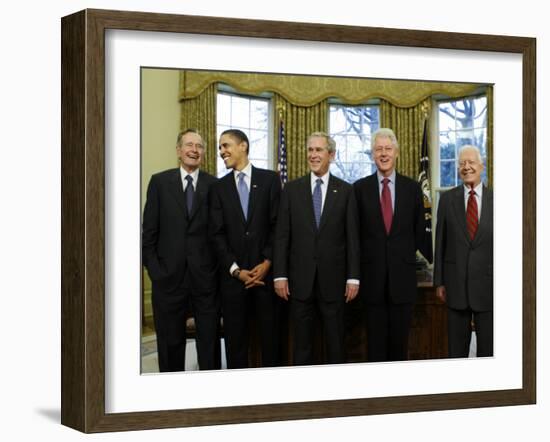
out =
column 423, row 179
column 283, row 172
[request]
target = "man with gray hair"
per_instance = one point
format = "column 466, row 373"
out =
column 316, row 253
column 392, row 229
column 463, row 271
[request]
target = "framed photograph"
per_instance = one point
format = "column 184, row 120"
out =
column 103, row 53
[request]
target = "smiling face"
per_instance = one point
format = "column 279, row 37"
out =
column 318, row 156
column 470, row 166
column 384, row 153
column 190, row 151
column 234, row 153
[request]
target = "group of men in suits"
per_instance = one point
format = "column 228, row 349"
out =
column 316, row 245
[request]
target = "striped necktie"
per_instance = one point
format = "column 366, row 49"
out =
column 471, row 215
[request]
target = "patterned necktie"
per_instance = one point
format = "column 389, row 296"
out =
column 189, row 193
column 385, row 203
column 317, row 201
column 243, row 193
column 471, row 215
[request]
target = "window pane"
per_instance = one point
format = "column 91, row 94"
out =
column 351, row 128
column 240, row 112
column 464, row 137
column 447, row 145
column 258, row 144
column 251, row 115
column 446, row 118
column 481, row 112
column 223, row 109
column 259, row 114
column 447, row 172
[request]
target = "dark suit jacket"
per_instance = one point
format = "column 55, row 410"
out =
column 390, row 258
column 172, row 241
column 302, row 250
column 236, row 240
column 463, row 266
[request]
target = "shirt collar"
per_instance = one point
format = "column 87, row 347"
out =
column 247, row 170
column 381, row 177
column 194, row 174
column 477, row 189
column 314, row 177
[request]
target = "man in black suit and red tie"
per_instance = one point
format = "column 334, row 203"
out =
column 177, row 254
column 392, row 229
column 463, row 271
column 317, row 252
column 243, row 214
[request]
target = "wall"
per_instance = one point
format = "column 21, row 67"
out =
column 30, row 221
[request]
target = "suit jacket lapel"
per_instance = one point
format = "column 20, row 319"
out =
column 374, row 195
column 255, row 189
column 233, row 194
column 200, row 193
column 460, row 210
column 307, row 198
column 486, row 215
column 330, row 198
column 176, row 188
column 398, row 204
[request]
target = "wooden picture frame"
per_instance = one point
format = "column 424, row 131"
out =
column 83, row 219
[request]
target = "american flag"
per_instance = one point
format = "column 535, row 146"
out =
column 283, row 172
column 423, row 179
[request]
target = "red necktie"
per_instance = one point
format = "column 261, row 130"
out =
column 385, row 203
column 471, row 215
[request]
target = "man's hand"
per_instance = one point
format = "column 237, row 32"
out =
column 281, row 288
column 260, row 271
column 441, row 293
column 351, row 291
column 245, row 276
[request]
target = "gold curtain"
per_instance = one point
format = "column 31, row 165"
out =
column 408, row 125
column 200, row 113
column 299, row 123
column 490, row 136
column 307, row 90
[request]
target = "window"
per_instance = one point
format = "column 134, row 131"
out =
column 460, row 122
column 251, row 115
column 352, row 127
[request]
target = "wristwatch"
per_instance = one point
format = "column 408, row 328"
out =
column 236, row 273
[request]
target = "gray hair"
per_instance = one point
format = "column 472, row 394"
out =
column 472, row 148
column 331, row 144
column 189, row 131
column 384, row 132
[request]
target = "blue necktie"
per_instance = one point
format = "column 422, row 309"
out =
column 243, row 193
column 317, row 201
column 189, row 193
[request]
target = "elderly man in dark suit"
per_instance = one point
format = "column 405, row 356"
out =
column 317, row 253
column 178, row 257
column 463, row 273
column 392, row 229
column 243, row 213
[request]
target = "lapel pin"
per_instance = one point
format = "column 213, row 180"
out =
column 254, row 186
column 334, row 190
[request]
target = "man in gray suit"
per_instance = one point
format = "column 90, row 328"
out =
column 463, row 271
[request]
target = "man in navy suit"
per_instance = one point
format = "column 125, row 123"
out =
column 392, row 229
column 463, row 271
column 317, row 252
column 243, row 214
column 177, row 254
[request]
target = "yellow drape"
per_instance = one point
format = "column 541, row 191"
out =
column 308, row 90
column 408, row 125
column 299, row 123
column 200, row 113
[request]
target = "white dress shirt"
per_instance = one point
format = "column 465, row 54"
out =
column 194, row 175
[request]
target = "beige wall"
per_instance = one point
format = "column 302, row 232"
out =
column 160, row 119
